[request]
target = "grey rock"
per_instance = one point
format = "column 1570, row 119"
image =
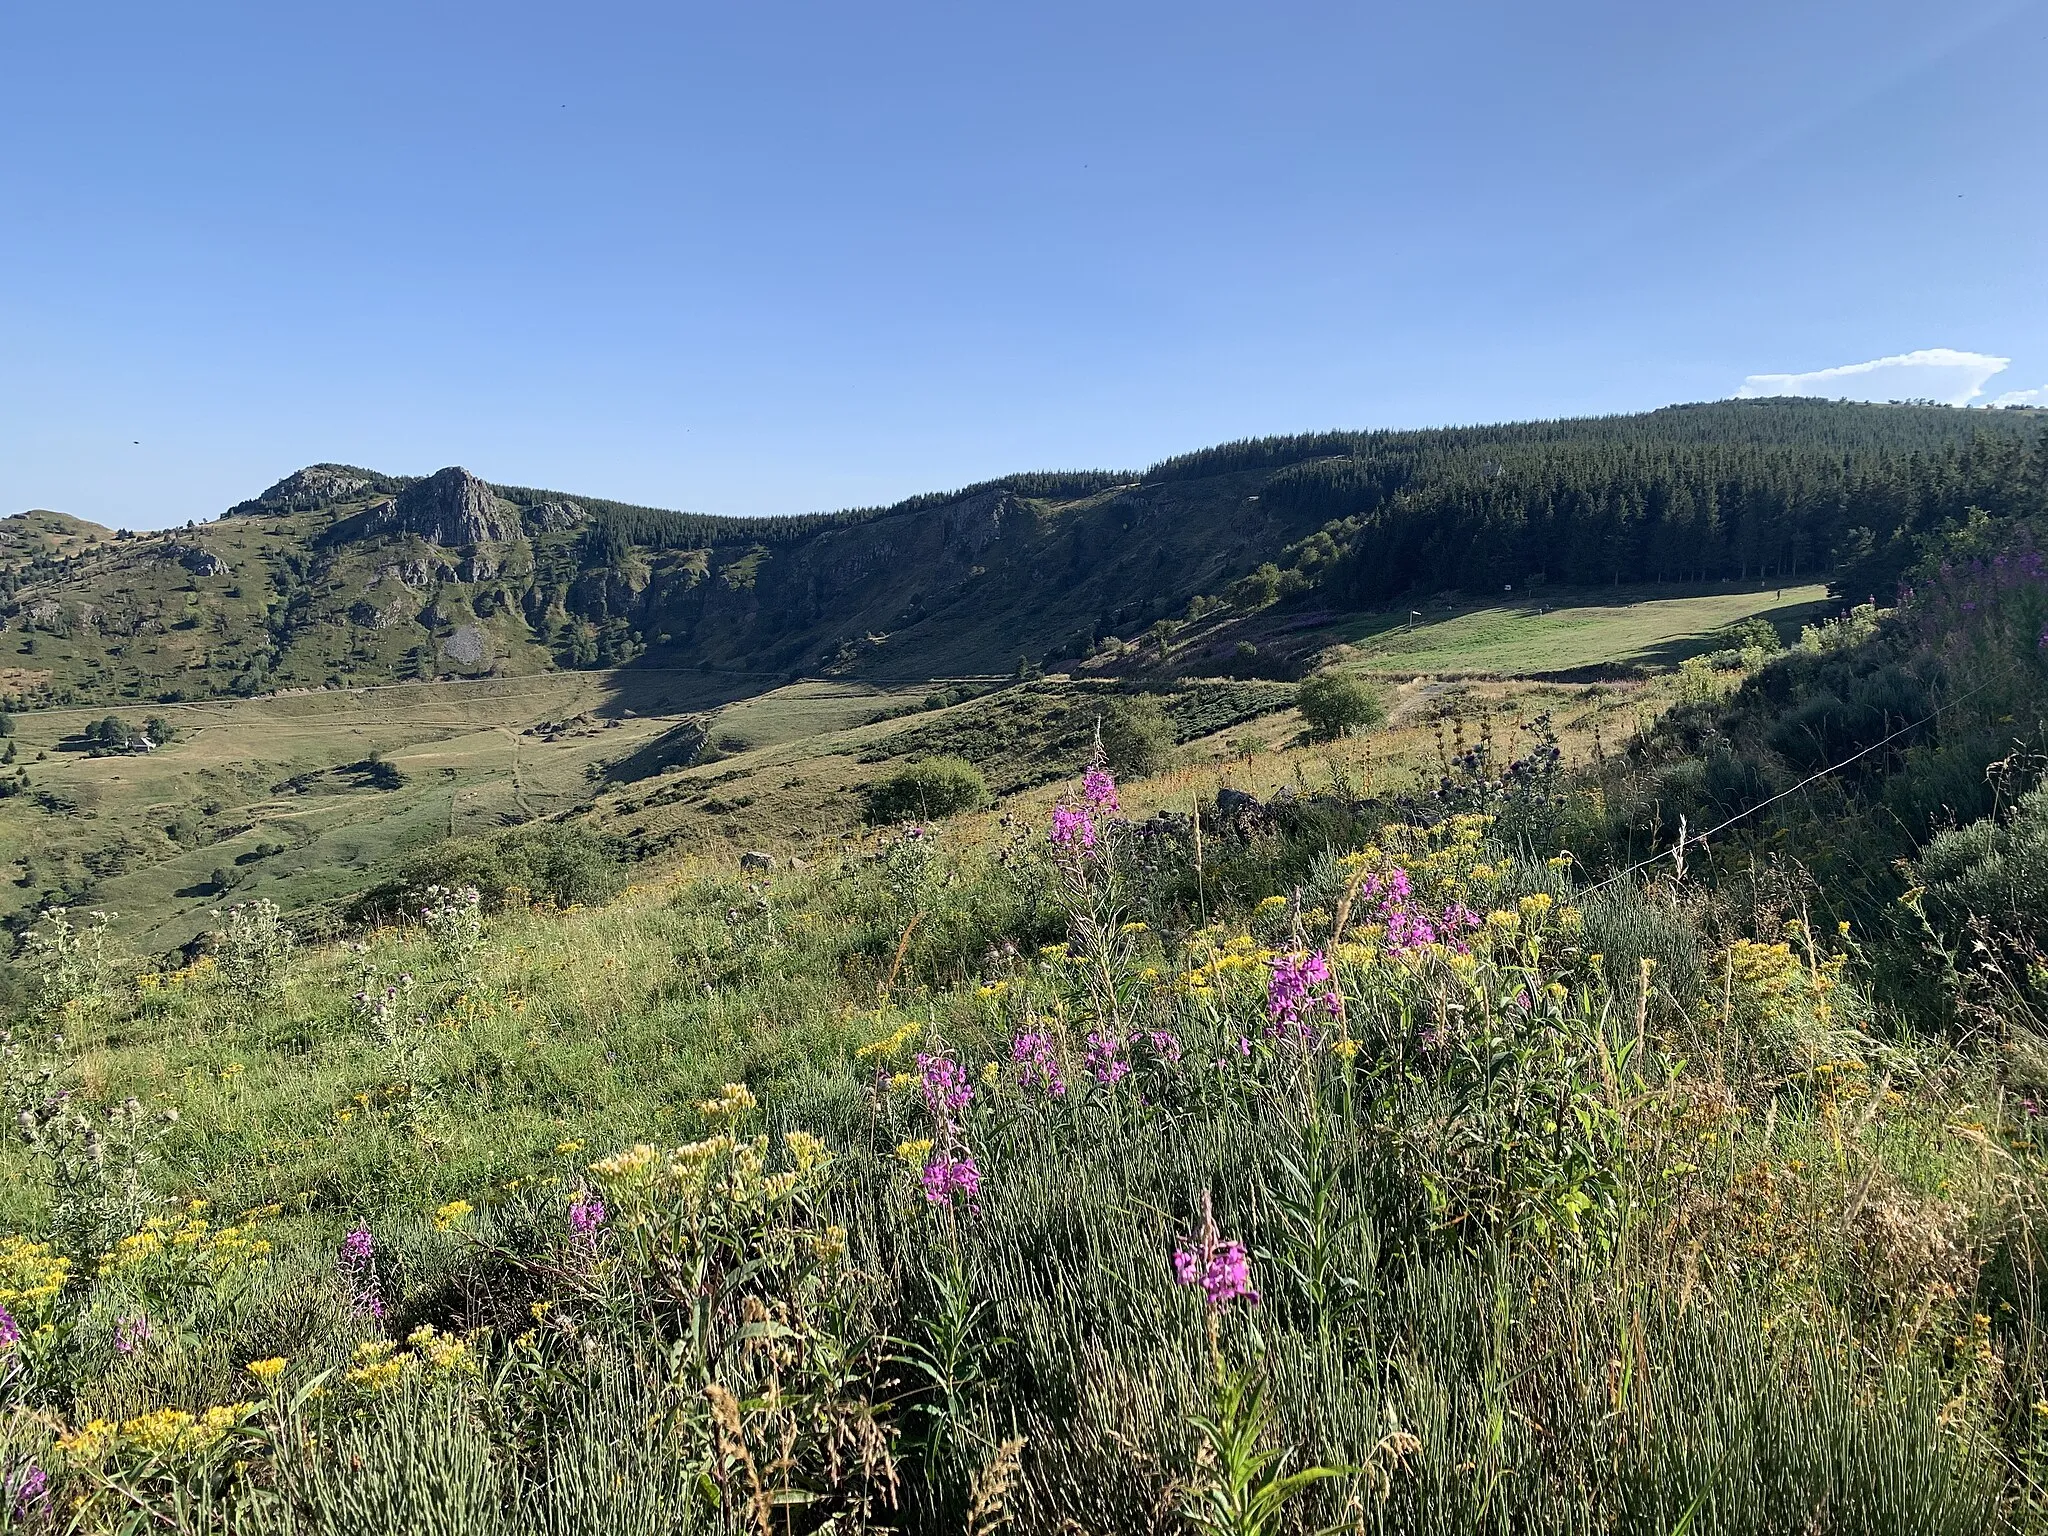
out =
column 469, row 646
column 370, row 616
column 317, row 485
column 753, row 858
column 553, row 516
column 200, row 562
column 451, row 508
column 413, row 573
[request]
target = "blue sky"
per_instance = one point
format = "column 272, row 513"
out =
column 784, row 257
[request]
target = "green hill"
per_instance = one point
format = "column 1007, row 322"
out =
column 338, row 576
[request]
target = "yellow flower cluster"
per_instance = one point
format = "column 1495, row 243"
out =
column 187, row 1241
column 890, row 1048
column 912, row 1154
column 642, row 1181
column 163, row 1432
column 1777, row 984
column 452, row 1215
column 1230, row 957
column 31, row 1278
column 733, row 1103
column 429, row 1353
column 266, row 1371
column 376, row 1366
column 155, row 981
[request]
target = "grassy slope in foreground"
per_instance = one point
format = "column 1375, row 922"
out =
column 1747, row 1352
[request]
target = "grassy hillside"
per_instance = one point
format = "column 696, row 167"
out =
column 284, row 796
column 973, row 1179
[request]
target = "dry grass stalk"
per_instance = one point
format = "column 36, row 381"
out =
column 988, row 1508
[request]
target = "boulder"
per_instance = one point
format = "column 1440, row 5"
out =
column 753, row 858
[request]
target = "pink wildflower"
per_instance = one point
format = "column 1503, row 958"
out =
column 1100, row 790
column 949, row 1174
column 946, row 1088
column 1106, row 1060
column 1072, row 827
column 1217, row 1264
column 1038, row 1063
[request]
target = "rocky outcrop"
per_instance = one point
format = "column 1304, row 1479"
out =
column 200, row 562
column 317, row 485
column 553, row 516
column 370, row 616
column 452, row 508
column 412, row 573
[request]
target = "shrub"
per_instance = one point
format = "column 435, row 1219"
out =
column 1753, row 633
column 1996, row 872
column 1137, row 736
column 928, row 789
column 1339, row 703
column 549, row 861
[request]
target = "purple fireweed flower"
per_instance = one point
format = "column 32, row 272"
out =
column 357, row 1263
column 946, row 1088
column 1165, row 1045
column 1217, row 1264
column 1100, row 790
column 1106, row 1062
column 586, row 1215
column 949, row 1174
column 10, row 1330
column 28, row 1487
column 1038, row 1063
column 131, row 1333
column 1291, row 990
column 1072, row 827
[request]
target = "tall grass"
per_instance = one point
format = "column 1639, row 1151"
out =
column 1569, row 1215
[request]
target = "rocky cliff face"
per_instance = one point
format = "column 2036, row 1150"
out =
column 451, row 508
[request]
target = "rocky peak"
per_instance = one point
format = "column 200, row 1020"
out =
column 451, row 508
column 317, row 485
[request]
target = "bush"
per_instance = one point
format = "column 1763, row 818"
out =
column 1137, row 737
column 1755, row 633
column 549, row 861
column 925, row 790
column 1993, row 871
column 1339, row 703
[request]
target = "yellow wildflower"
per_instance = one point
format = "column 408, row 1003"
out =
column 913, row 1153
column 806, row 1151
column 91, row 1441
column 452, row 1215
column 266, row 1371
column 733, row 1101
column 632, row 1163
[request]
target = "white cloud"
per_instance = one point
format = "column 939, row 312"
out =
column 2024, row 397
column 1936, row 373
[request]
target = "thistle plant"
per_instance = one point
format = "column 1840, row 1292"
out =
column 253, row 951
column 70, row 960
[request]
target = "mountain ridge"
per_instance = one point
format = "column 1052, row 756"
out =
column 338, row 574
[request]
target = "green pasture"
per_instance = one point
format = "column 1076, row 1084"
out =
column 1566, row 631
